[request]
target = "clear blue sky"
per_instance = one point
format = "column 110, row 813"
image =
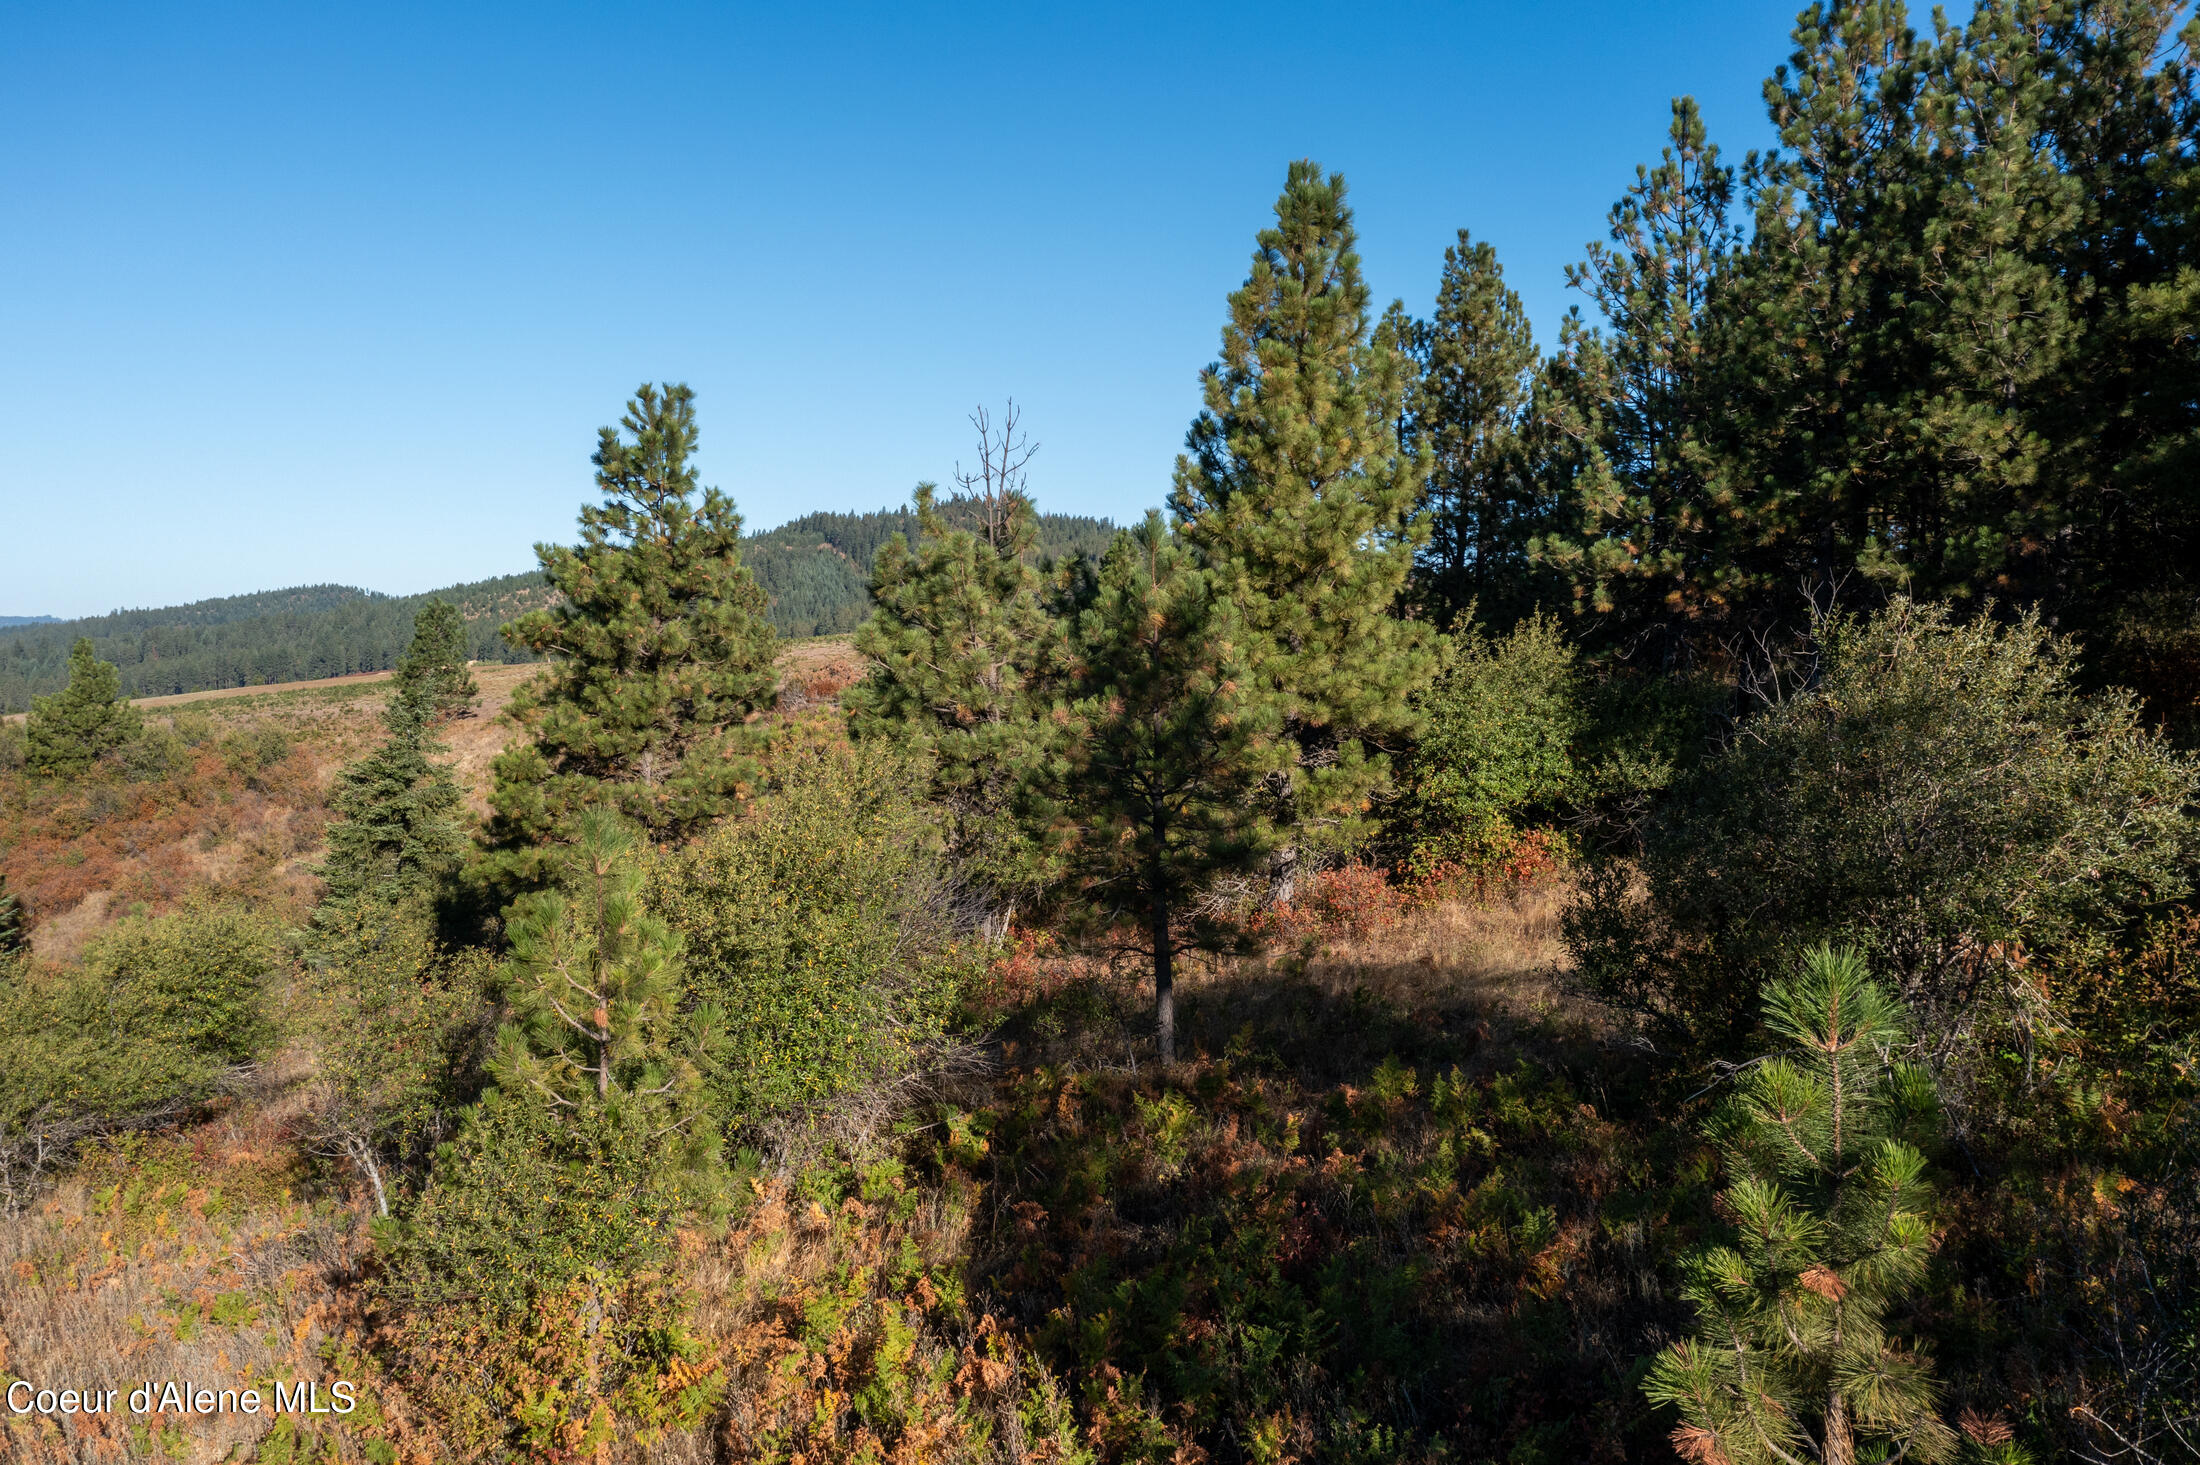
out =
column 309, row 293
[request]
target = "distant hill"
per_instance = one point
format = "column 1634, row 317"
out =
column 814, row 569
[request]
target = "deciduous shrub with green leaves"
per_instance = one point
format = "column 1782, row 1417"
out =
column 394, row 1018
column 1499, row 747
column 1937, row 793
column 143, row 1028
column 821, row 923
column 523, row 1295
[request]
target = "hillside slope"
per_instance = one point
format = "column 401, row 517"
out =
column 814, row 569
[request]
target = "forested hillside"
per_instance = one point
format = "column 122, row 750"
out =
column 813, row 569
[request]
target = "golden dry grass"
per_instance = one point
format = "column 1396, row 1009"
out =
column 197, row 1256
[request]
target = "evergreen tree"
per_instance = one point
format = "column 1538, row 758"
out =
column 398, row 831
column 1168, row 737
column 594, row 981
column 13, row 935
column 434, row 665
column 72, row 728
column 957, row 643
column 1640, row 541
column 1792, row 1359
column 1298, row 495
column 1478, row 360
column 659, row 651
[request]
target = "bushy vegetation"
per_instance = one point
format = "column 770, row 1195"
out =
column 155, row 1018
column 822, row 925
column 1938, row 794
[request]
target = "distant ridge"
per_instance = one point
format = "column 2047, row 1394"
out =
column 814, row 569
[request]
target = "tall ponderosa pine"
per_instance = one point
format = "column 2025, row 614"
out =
column 659, row 651
column 1639, row 538
column 1297, row 494
column 1477, row 357
column 1792, row 1359
column 957, row 643
column 1168, row 738
column 398, row 830
column 70, row 730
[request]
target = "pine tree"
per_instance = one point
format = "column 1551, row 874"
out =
column 398, row 831
column 594, row 983
column 1792, row 1359
column 434, row 664
column 1642, row 544
column 1478, row 360
column 659, row 652
column 72, row 728
column 1168, row 736
column 957, row 643
column 1296, row 492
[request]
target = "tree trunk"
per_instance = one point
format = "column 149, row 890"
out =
column 1840, row 1439
column 1164, row 980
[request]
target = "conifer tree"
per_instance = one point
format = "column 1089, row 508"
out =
column 594, row 983
column 398, row 829
column 659, row 651
column 957, row 642
column 1478, row 359
column 1792, row 1358
column 1641, row 532
column 13, row 937
column 70, row 730
column 1168, row 736
column 1298, row 495
column 434, row 664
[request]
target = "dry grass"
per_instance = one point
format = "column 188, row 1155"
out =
column 193, row 1256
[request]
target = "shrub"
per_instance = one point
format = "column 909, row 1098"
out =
column 395, row 1020
column 197, row 976
column 141, row 1031
column 1499, row 747
column 821, row 923
column 1937, row 795
column 522, row 1293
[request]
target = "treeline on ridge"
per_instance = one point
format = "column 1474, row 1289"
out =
column 814, row 570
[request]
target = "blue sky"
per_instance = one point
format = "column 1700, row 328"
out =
column 341, row 292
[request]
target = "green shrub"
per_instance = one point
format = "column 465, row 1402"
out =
column 523, row 1290
column 820, row 923
column 1499, row 747
column 396, row 1022
column 143, row 1029
column 197, row 976
column 1519, row 734
column 259, row 747
column 1939, row 797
